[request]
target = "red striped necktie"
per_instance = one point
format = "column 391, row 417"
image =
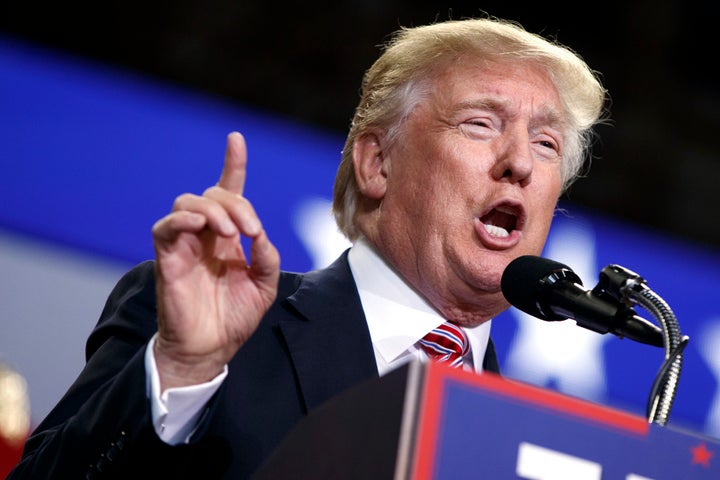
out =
column 447, row 343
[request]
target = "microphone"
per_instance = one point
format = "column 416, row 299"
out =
column 551, row 291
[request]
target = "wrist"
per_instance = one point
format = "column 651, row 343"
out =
column 182, row 370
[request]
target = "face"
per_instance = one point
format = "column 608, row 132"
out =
column 470, row 183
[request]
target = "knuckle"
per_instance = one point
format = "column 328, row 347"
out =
column 211, row 191
column 183, row 201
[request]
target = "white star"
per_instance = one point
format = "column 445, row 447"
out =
column 709, row 339
column 316, row 228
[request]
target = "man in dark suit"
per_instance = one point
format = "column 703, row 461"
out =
column 466, row 135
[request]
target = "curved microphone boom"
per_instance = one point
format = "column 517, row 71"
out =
column 551, row 291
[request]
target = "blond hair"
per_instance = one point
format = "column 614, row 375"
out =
column 398, row 80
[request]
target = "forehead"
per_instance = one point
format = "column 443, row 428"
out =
column 509, row 86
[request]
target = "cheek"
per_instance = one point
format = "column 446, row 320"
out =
column 545, row 226
column 548, row 178
column 546, row 197
column 425, row 178
column 445, row 190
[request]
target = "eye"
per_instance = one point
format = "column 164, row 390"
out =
column 548, row 144
column 547, row 148
column 479, row 127
column 480, row 123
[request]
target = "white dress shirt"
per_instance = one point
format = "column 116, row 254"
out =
column 397, row 318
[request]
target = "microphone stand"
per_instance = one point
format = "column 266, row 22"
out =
column 630, row 288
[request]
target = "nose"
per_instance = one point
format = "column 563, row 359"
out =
column 514, row 161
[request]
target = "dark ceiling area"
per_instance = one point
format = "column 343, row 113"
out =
column 657, row 160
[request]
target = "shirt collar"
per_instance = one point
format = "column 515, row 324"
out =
column 397, row 316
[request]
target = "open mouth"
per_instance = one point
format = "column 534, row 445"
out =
column 501, row 220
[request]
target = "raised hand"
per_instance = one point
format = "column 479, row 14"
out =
column 210, row 295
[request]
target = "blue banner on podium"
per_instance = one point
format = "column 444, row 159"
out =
column 485, row 426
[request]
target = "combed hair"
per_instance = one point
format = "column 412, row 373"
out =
column 401, row 77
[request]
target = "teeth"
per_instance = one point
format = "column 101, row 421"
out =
column 504, row 209
column 495, row 230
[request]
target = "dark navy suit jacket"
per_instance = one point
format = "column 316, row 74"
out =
column 312, row 344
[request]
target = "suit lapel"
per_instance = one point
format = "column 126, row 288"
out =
column 330, row 347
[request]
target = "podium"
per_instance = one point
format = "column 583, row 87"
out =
column 429, row 421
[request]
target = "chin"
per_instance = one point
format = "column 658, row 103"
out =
column 487, row 277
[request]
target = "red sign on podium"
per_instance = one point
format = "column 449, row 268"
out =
column 468, row 423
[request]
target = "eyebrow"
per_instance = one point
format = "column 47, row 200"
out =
column 545, row 116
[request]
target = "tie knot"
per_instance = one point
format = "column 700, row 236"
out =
column 446, row 343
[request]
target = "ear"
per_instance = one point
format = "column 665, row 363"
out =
column 370, row 166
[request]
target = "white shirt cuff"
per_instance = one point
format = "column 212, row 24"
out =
column 175, row 412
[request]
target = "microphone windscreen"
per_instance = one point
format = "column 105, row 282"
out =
column 525, row 278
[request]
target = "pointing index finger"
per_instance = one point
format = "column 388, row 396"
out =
column 233, row 174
